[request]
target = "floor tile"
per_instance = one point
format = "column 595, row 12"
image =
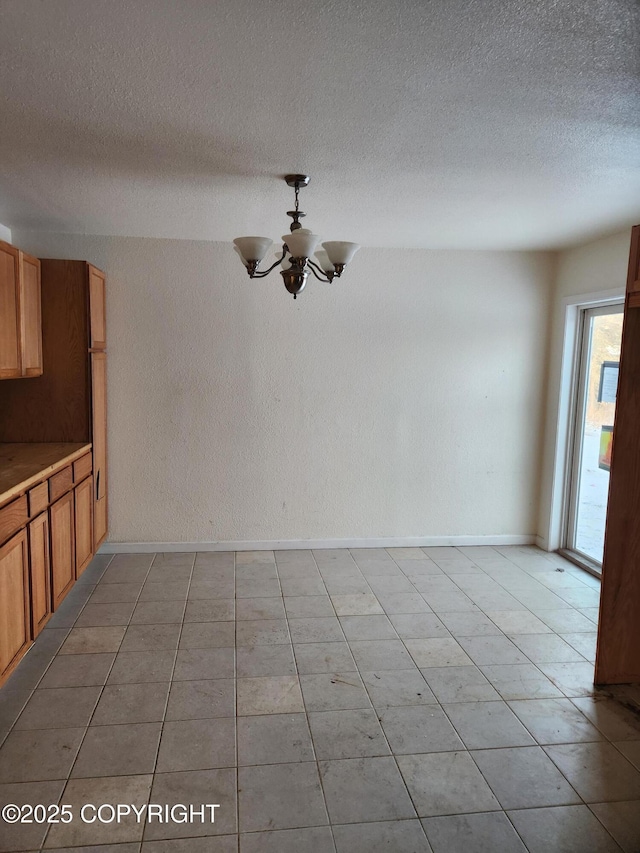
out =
column 269, row 695
column 486, row 651
column 316, row 839
column 524, row 778
column 204, row 844
column 437, row 651
column 59, row 708
column 361, row 604
column 252, row 661
column 122, row 750
column 418, row 626
column 520, row 681
column 566, row 621
column 172, row 591
column 320, row 629
column 195, row 787
column 303, row 586
column 301, row 606
column 131, row 703
column 333, row 691
column 403, row 603
column 365, row 789
column 387, row 837
column 489, row 832
column 143, row 638
column 207, row 635
column 210, row 610
column 199, row 700
column 567, row 829
column 78, row 670
column 262, row 632
column 347, row 734
column 597, row 771
column 470, row 624
column 107, row 789
column 583, row 643
column 95, row 615
column 197, row 745
column 260, row 608
column 37, row 756
column 158, row 612
column 459, row 684
column 622, row 820
column 367, row 628
column 610, row 717
column 444, row 783
column 414, row 729
column 141, row 667
column 631, row 751
column 380, row 655
column 274, row 739
column 514, row 622
column 324, row 657
column 487, row 725
column 554, row 721
column 214, row 590
column 280, row 796
column 395, row 687
column 93, row 640
column 546, row 648
column 204, row 664
column 574, row 679
column 22, row 836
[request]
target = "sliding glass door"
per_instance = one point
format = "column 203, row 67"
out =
column 595, row 404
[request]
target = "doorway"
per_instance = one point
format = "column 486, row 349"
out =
column 596, row 380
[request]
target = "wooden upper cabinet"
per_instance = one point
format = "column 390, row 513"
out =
column 20, row 314
column 15, row 618
column 30, row 315
column 97, row 309
column 10, row 357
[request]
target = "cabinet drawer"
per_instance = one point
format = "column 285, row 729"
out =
column 82, row 468
column 60, row 483
column 13, row 516
column 38, row 498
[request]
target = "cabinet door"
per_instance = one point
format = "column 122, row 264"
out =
column 30, row 316
column 63, row 558
column 84, row 525
column 15, row 630
column 10, row 362
column 39, row 571
column 97, row 309
column 99, row 439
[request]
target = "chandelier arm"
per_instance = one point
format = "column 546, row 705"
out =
column 263, row 273
column 315, row 269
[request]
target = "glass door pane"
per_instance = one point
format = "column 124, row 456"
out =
column 595, row 412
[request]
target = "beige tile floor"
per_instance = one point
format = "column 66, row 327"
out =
column 403, row 700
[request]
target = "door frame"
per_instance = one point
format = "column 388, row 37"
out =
column 567, row 390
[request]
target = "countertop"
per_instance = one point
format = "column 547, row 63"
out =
column 22, row 465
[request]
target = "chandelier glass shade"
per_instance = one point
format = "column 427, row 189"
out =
column 299, row 253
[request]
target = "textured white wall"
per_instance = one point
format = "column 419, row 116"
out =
column 595, row 267
column 406, row 400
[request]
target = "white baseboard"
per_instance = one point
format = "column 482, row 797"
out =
column 304, row 544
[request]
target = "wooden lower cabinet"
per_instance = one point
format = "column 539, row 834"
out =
column 84, row 524
column 63, row 558
column 15, row 627
column 39, row 572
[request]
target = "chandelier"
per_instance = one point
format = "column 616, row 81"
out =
column 297, row 249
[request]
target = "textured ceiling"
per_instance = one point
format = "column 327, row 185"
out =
column 458, row 123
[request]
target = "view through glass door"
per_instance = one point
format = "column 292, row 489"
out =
column 599, row 356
